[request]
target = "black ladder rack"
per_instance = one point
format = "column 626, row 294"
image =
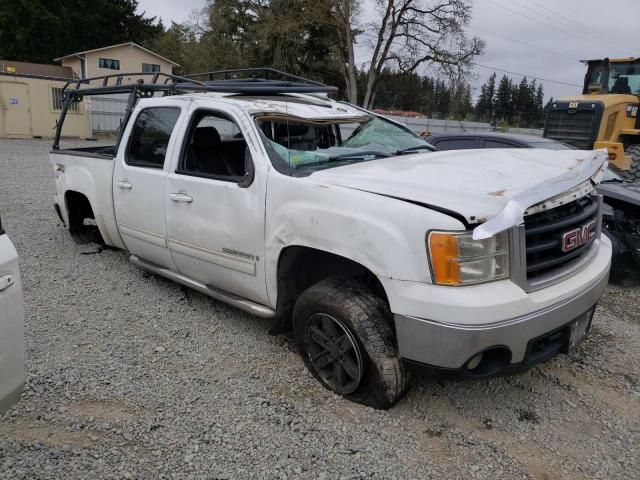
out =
column 272, row 82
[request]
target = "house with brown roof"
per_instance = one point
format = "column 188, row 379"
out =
column 122, row 58
column 30, row 100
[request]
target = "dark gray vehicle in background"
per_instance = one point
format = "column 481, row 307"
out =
column 473, row 140
column 621, row 214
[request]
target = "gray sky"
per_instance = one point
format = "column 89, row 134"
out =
column 554, row 43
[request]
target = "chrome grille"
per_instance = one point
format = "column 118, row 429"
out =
column 544, row 233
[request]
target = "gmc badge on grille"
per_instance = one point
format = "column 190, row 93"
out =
column 578, row 236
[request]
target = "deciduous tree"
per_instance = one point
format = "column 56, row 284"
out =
column 409, row 34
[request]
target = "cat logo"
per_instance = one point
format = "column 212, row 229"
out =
column 573, row 105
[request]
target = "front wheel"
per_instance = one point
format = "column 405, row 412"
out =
column 345, row 336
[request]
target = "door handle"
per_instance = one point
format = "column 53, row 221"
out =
column 124, row 184
column 6, row 282
column 180, row 197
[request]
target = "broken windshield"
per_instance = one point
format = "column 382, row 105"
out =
column 299, row 144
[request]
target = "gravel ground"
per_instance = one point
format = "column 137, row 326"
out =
column 132, row 376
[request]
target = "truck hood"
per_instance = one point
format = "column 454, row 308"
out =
column 476, row 184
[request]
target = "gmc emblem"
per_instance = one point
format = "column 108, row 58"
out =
column 578, row 236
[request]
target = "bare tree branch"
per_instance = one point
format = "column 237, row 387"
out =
column 410, row 34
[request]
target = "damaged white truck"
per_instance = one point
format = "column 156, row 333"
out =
column 344, row 227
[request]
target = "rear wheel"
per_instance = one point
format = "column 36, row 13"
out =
column 345, row 336
column 633, row 174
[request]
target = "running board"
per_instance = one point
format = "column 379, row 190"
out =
column 226, row 297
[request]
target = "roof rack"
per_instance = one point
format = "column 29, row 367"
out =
column 234, row 74
column 273, row 82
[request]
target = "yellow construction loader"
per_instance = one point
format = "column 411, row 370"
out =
column 605, row 115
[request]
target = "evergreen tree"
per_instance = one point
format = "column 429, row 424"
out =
column 516, row 104
column 41, row 30
column 503, row 100
column 540, row 102
column 485, row 105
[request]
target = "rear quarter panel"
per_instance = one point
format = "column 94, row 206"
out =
column 92, row 177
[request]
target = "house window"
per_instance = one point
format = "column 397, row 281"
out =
column 109, row 63
column 150, row 67
column 57, row 103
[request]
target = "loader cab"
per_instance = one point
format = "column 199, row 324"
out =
column 606, row 76
column 605, row 115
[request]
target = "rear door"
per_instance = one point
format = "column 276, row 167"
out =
column 11, row 325
column 139, row 183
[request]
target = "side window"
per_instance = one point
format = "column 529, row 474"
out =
column 456, row 144
column 215, row 148
column 150, row 136
column 498, row 144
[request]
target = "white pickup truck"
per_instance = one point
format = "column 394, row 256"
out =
column 346, row 228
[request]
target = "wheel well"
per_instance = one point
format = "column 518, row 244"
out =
column 301, row 267
column 78, row 206
column 79, row 210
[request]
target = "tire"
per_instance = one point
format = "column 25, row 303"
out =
column 616, row 272
column 633, row 174
column 345, row 336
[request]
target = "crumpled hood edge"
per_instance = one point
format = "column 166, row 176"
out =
column 591, row 169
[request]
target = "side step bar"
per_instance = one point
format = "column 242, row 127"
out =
column 226, row 297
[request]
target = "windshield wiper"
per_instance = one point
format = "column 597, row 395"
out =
column 417, row 147
column 366, row 153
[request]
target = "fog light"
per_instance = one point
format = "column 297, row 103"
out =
column 474, row 362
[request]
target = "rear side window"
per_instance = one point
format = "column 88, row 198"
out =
column 456, row 144
column 150, row 136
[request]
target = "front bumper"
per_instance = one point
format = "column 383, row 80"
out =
column 445, row 344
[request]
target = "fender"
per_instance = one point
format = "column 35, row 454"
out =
column 348, row 223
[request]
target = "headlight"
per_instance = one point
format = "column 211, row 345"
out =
column 457, row 259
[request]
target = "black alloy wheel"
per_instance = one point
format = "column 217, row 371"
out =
column 334, row 352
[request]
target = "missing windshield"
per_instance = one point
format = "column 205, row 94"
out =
column 297, row 144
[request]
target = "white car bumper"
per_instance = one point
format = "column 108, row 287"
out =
column 446, row 327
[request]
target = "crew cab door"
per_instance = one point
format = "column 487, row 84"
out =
column 11, row 324
column 215, row 205
column 139, row 181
